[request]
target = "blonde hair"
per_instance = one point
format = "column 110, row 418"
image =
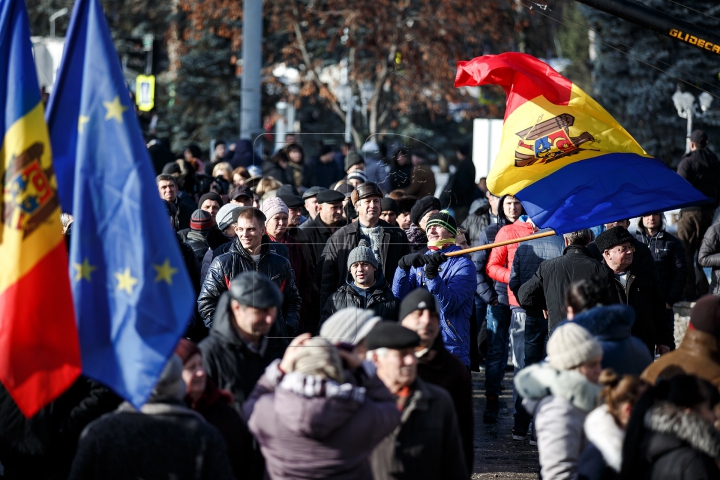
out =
column 224, row 169
column 618, row 390
column 267, row 184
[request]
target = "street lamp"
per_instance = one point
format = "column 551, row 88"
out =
column 347, row 103
column 367, row 90
column 55, row 16
column 687, row 108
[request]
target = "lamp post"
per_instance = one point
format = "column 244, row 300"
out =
column 687, row 108
column 55, row 16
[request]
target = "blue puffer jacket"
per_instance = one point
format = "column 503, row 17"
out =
column 611, row 327
column 529, row 256
column 454, row 288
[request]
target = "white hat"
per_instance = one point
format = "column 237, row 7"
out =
column 570, row 346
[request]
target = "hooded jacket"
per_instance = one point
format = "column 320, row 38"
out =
column 477, row 220
column 698, row 354
column 309, row 427
column 709, row 256
column 611, row 326
column 454, row 288
column 227, row 266
column 379, row 298
column 559, row 401
column 670, row 262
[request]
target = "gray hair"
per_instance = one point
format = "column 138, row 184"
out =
column 581, row 237
column 165, row 177
column 65, row 219
column 380, row 352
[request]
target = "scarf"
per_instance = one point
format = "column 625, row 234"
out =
column 440, row 244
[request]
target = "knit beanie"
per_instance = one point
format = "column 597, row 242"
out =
column 224, row 217
column 423, row 206
column 389, row 204
column 210, row 196
column 705, row 315
column 570, row 346
column 170, row 385
column 348, row 325
column 186, row 349
column 442, row 219
column 201, row 221
column 352, row 158
column 273, row 206
column 418, row 299
column 317, row 356
column 358, row 174
column 362, row 253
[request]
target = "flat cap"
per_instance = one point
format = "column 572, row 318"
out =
column 612, row 237
column 391, row 335
column 312, row 192
column 292, row 201
column 330, row 196
column 254, row 289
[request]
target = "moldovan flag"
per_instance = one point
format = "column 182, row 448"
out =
column 568, row 161
column 39, row 348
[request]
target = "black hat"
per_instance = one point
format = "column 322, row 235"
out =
column 240, row 191
column 345, row 189
column 418, row 299
column 210, row 196
column 312, row 192
column 287, row 189
column 292, row 201
column 443, row 219
column 705, row 315
column 325, row 149
column 172, row 168
column 368, row 189
column 612, row 237
column 391, row 335
column 330, row 196
column 253, row 289
column 406, row 204
column 699, row 138
column 423, row 206
column 352, row 158
column 389, row 204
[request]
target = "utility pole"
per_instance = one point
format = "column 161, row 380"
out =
column 252, row 62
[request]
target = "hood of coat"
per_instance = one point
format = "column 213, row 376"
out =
column 540, row 380
column 612, row 322
column 603, row 432
column 683, row 428
column 315, row 407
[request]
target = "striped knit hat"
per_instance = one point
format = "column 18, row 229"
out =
column 201, row 221
column 442, row 219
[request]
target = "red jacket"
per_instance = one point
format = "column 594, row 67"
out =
column 501, row 258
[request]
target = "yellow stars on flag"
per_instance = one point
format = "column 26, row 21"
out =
column 165, row 272
column 126, row 281
column 83, row 270
column 114, row 109
column 82, row 120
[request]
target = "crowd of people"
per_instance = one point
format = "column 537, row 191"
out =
column 338, row 321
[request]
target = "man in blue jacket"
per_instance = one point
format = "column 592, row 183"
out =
column 451, row 280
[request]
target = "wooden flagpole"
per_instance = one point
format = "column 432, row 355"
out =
column 500, row 244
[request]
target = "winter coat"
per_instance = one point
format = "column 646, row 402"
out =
column 243, row 156
column 161, row 441
column 210, row 255
column 487, row 288
column 528, row 257
column 477, row 220
column 273, row 169
column 237, row 260
column 641, row 257
column 701, row 168
column 377, row 170
column 379, row 298
column 546, row 289
column 304, row 269
column 229, row 360
column 318, row 233
column 400, row 175
column 670, row 262
column 394, row 247
column 454, row 288
column 641, row 292
column 709, row 256
column 422, row 182
column 678, row 445
column 313, row 428
column 319, row 174
column 698, row 354
column 427, row 444
column 198, row 242
column 186, row 205
column 611, row 327
column 215, row 406
column 442, row 368
column 501, row 258
column 602, row 458
column 459, row 191
column 559, row 401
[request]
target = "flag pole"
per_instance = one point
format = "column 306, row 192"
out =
column 549, row 233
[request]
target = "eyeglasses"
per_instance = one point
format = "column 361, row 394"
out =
column 625, row 249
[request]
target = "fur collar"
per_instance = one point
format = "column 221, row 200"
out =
column 602, row 431
column 689, row 427
column 540, row 380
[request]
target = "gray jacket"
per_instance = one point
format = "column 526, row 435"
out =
column 559, row 401
column 427, row 444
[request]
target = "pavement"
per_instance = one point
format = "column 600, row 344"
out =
column 497, row 455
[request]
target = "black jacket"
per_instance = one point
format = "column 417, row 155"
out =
column 709, row 256
column 701, row 168
column 198, row 243
column 319, row 174
column 394, row 246
column 380, row 300
column 477, row 221
column 546, row 289
column 318, row 233
column 228, row 360
column 459, row 191
column 670, row 262
column 272, row 169
column 642, row 255
column 228, row 265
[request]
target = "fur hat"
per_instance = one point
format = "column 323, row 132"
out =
column 570, row 346
column 423, row 206
column 613, row 237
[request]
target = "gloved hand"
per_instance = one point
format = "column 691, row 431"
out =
column 412, row 260
column 432, row 264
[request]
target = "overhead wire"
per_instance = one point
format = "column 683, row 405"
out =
column 599, row 38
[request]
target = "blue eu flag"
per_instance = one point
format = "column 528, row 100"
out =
column 133, row 296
